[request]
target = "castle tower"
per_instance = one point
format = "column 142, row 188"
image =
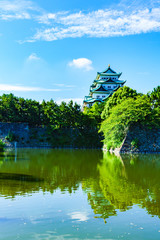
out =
column 105, row 84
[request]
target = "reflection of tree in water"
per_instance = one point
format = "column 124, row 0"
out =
column 122, row 183
column 55, row 169
column 111, row 184
column 116, row 186
column 100, row 205
column 144, row 171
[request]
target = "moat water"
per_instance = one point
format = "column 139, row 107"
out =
column 78, row 194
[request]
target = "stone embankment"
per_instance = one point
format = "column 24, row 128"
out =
column 21, row 135
column 140, row 139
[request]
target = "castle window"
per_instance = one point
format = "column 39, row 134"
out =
column 109, row 86
column 98, row 96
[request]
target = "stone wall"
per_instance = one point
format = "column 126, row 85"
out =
column 23, row 135
column 21, row 129
column 141, row 139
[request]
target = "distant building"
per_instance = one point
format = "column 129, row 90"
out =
column 105, row 84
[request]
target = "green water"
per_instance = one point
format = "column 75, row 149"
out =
column 78, row 194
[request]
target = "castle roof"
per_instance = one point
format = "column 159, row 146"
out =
column 109, row 80
column 92, row 100
column 99, row 89
column 109, row 72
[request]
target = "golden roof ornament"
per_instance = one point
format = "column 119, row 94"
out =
column 109, row 65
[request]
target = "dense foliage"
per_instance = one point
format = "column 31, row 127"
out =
column 2, row 146
column 155, row 97
column 66, row 124
column 118, row 97
column 126, row 108
column 15, row 109
column 95, row 112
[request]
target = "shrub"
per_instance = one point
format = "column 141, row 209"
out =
column 135, row 143
column 109, row 145
column 2, row 145
column 11, row 137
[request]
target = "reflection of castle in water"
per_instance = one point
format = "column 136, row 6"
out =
column 110, row 182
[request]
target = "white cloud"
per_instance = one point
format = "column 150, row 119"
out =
column 33, row 57
column 67, row 100
column 17, row 9
column 79, row 216
column 64, row 85
column 45, row 18
column 15, row 16
column 81, row 63
column 16, row 5
column 129, row 18
column 7, row 87
column 100, row 23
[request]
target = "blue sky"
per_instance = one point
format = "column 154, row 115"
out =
column 53, row 49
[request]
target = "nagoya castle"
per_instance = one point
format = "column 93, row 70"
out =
column 105, row 84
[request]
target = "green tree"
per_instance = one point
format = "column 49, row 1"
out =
column 8, row 109
column 118, row 97
column 155, row 97
column 124, row 115
column 32, row 112
column 95, row 111
column 50, row 113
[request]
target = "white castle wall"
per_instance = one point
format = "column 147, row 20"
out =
column 101, row 96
